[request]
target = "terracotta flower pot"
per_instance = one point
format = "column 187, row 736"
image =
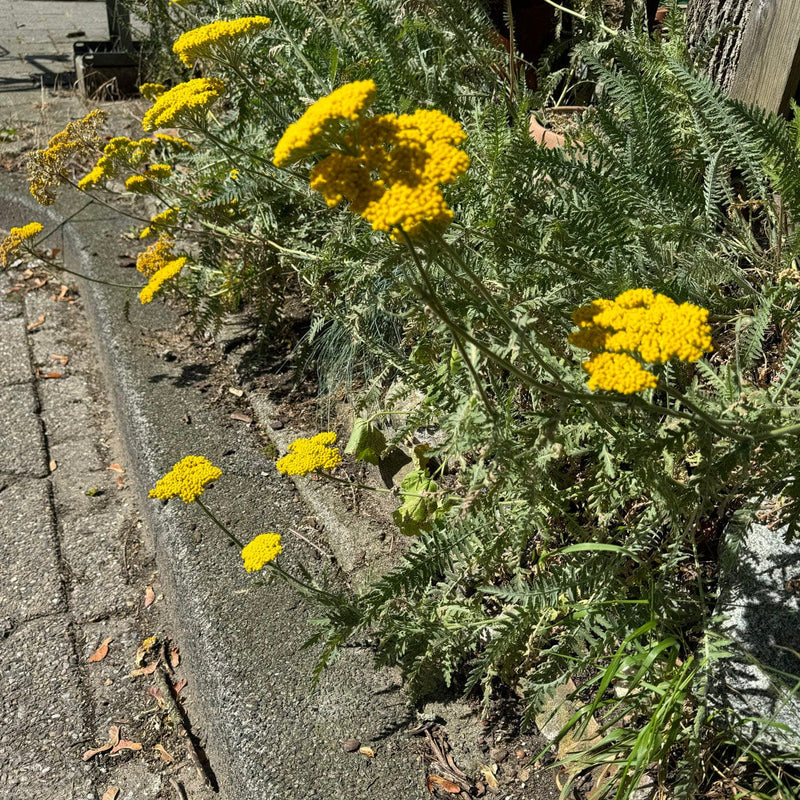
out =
column 545, row 136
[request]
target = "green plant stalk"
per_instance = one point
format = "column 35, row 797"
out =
column 55, row 265
column 306, row 587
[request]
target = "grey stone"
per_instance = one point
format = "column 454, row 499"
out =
column 30, row 585
column 758, row 689
column 15, row 364
column 43, row 733
column 23, row 450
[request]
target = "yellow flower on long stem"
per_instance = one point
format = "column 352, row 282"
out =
column 266, row 547
column 169, row 270
column 203, row 41
column 638, row 324
column 312, row 133
column 309, row 455
column 184, row 102
column 187, row 479
column 15, row 238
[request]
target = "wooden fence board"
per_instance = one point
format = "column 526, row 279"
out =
column 769, row 62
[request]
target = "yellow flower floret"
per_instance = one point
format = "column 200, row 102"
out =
column 203, row 41
column 164, row 219
column 264, row 548
column 639, row 321
column 15, row 238
column 169, row 270
column 309, row 134
column 187, row 479
column 309, row 455
column 618, row 372
column 177, row 141
column 183, row 102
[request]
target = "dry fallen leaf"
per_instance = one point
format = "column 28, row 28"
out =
column 96, row 751
column 101, row 651
column 149, row 596
column 113, row 739
column 38, row 322
column 165, row 756
column 491, row 781
column 116, row 468
column 367, row 751
column 45, row 375
column 111, row 793
column 448, row 786
column 63, row 359
column 126, row 744
column 174, row 657
column 241, row 417
column 149, row 670
column 53, row 465
column 181, row 684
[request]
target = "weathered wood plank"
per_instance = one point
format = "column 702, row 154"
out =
column 769, row 62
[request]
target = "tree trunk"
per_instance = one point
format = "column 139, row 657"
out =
column 720, row 52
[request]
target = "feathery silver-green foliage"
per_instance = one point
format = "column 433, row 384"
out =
column 575, row 536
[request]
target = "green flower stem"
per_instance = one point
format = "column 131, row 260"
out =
column 722, row 427
column 777, row 433
column 302, row 585
column 55, row 265
column 580, row 16
column 379, row 489
column 438, row 308
column 222, row 527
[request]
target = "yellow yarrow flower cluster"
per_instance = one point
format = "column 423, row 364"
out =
column 309, row 455
column 389, row 168
column 264, row 548
column 159, row 171
column 120, row 152
column 203, row 41
column 638, row 326
column 176, row 141
column 187, row 479
column 15, row 238
column 183, row 102
column 618, row 372
column 47, row 168
column 152, row 91
column 319, row 125
column 138, row 184
column 411, row 155
column 156, row 256
column 169, row 270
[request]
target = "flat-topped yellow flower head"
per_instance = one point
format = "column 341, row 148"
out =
column 636, row 327
column 187, row 479
column 264, row 548
column 170, row 270
column 15, row 238
column 184, row 102
column 204, row 41
column 393, row 177
column 310, row 134
column 309, row 455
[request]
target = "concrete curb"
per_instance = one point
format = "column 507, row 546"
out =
column 266, row 734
